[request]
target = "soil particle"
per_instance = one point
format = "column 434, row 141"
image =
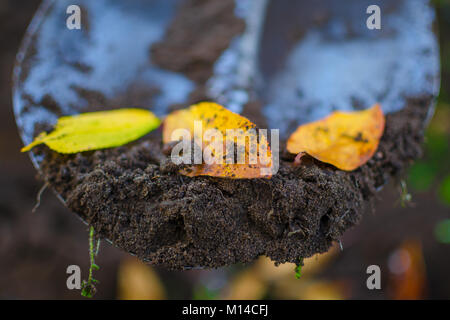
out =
column 193, row 51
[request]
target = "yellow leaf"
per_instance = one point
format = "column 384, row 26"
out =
column 246, row 285
column 97, row 130
column 324, row 290
column 137, row 281
column 346, row 140
column 213, row 116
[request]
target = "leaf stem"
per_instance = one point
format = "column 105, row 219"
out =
column 298, row 269
column 88, row 287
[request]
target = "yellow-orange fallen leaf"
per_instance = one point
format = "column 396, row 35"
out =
column 137, row 281
column 224, row 132
column 408, row 279
column 324, row 290
column 346, row 140
column 246, row 285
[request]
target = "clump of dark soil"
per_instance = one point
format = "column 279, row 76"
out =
column 134, row 197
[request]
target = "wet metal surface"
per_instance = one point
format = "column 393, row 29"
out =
column 309, row 58
column 334, row 62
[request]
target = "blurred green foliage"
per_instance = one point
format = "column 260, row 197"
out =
column 442, row 231
column 444, row 190
column 202, row 292
column 432, row 173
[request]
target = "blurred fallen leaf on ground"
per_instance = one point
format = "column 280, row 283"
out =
column 407, row 272
column 247, row 285
column 137, row 281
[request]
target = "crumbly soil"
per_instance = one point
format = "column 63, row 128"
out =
column 134, row 197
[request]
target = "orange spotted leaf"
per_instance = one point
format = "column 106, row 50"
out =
column 221, row 134
column 346, row 140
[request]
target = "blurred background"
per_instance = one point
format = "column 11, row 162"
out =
column 408, row 236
